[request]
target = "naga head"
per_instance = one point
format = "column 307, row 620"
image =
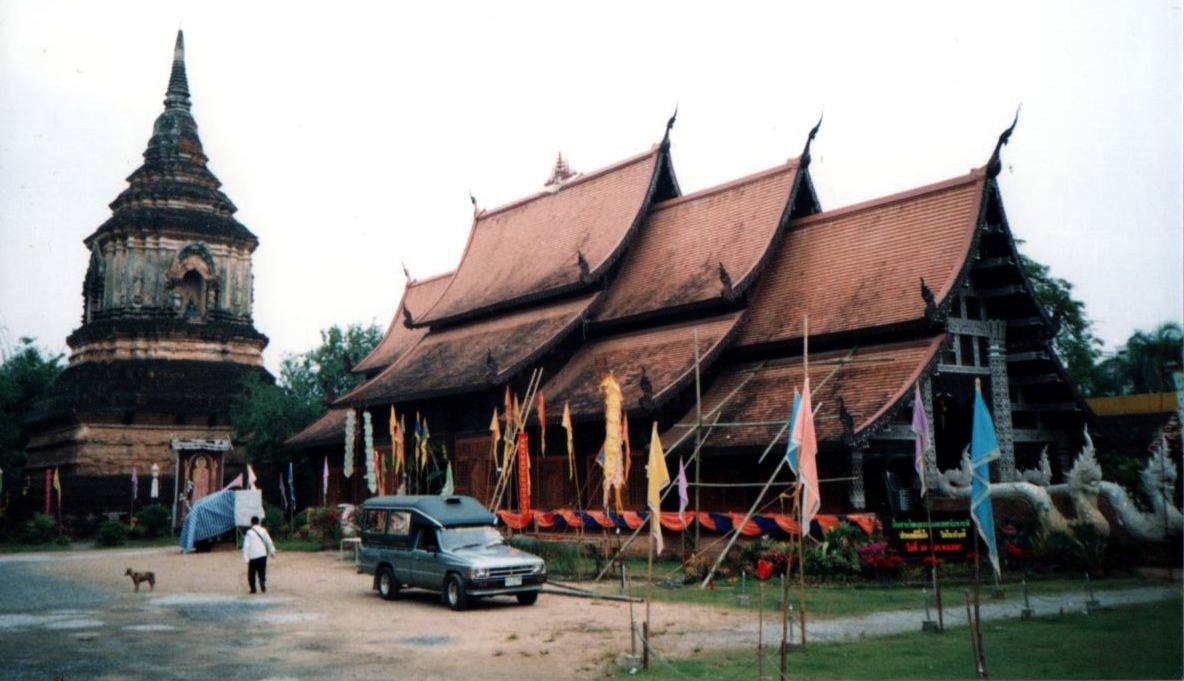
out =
column 1159, row 475
column 1086, row 475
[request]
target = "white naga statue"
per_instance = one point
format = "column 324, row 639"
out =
column 1084, row 484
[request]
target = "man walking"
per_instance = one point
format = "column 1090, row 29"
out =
column 257, row 547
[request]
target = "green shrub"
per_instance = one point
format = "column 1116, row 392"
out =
column 112, row 533
column 40, row 530
column 273, row 520
column 325, row 521
column 154, row 519
column 837, row 556
column 564, row 559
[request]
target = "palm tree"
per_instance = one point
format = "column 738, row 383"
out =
column 1144, row 365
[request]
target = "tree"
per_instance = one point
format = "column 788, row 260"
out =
column 1144, row 364
column 264, row 415
column 1074, row 342
column 26, row 374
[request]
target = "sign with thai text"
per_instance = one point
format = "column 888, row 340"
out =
column 950, row 534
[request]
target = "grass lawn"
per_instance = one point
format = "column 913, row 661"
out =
column 1131, row 642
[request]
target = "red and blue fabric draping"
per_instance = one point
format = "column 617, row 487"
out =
column 774, row 525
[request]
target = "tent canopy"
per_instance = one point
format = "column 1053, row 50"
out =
column 209, row 517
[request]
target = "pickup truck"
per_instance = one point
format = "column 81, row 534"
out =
column 443, row 543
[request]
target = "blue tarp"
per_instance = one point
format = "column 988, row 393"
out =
column 209, row 517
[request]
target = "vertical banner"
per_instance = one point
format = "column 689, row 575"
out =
column 48, row 488
column 523, row 473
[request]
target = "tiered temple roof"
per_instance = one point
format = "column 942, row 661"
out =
column 891, row 292
column 419, row 295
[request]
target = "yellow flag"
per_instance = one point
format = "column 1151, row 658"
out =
column 659, row 477
column 394, row 428
column 401, row 451
column 423, row 454
column 571, row 460
column 496, row 434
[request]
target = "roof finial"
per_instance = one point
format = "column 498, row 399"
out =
column 670, row 124
column 804, row 159
column 177, row 94
column 996, row 164
column 561, row 173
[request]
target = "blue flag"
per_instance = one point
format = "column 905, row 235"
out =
column 792, row 447
column 984, row 448
column 291, row 487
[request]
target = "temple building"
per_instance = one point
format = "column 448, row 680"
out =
column 708, row 309
column 166, row 339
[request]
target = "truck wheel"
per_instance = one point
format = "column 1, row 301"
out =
column 454, row 593
column 527, row 597
column 388, row 586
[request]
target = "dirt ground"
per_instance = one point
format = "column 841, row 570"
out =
column 320, row 616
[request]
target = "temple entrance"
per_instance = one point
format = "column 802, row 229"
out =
column 199, row 472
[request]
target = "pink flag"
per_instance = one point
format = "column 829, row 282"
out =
column 682, row 490
column 250, row 477
column 807, row 447
column 921, row 429
column 135, row 484
column 237, row 482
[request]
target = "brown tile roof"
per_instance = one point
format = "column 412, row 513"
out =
column 529, row 250
column 675, row 259
column 455, row 360
column 667, row 354
column 870, row 380
column 328, row 429
column 861, row 266
column 418, row 296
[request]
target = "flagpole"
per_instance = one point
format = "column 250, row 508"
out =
column 698, row 437
column 929, row 518
column 649, row 588
column 803, row 523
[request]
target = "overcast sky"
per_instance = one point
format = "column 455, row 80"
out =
column 351, row 134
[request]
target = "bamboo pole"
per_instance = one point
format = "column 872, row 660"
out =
column 698, row 438
column 649, row 597
column 973, row 638
column 977, row 628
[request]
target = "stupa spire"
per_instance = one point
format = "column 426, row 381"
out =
column 177, row 95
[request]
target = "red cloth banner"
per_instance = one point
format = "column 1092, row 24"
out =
column 48, row 487
column 523, row 473
column 750, row 528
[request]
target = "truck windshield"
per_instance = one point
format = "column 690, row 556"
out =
column 456, row 538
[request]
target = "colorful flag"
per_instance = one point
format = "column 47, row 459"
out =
column 48, row 487
column 418, row 442
column 368, row 448
column 658, row 477
column 447, row 490
column 250, row 477
column 351, row 425
column 571, row 457
column 921, row 429
column 495, row 429
column 523, row 473
column 325, row 482
column 401, row 452
column 135, row 484
column 509, row 408
column 791, row 448
column 806, row 445
column 613, row 475
column 427, row 440
column 628, row 450
column 518, row 413
column 291, row 486
column 542, row 425
column 283, row 492
column 57, row 485
column 682, row 490
column 984, row 448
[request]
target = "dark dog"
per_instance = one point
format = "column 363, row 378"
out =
column 138, row 577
